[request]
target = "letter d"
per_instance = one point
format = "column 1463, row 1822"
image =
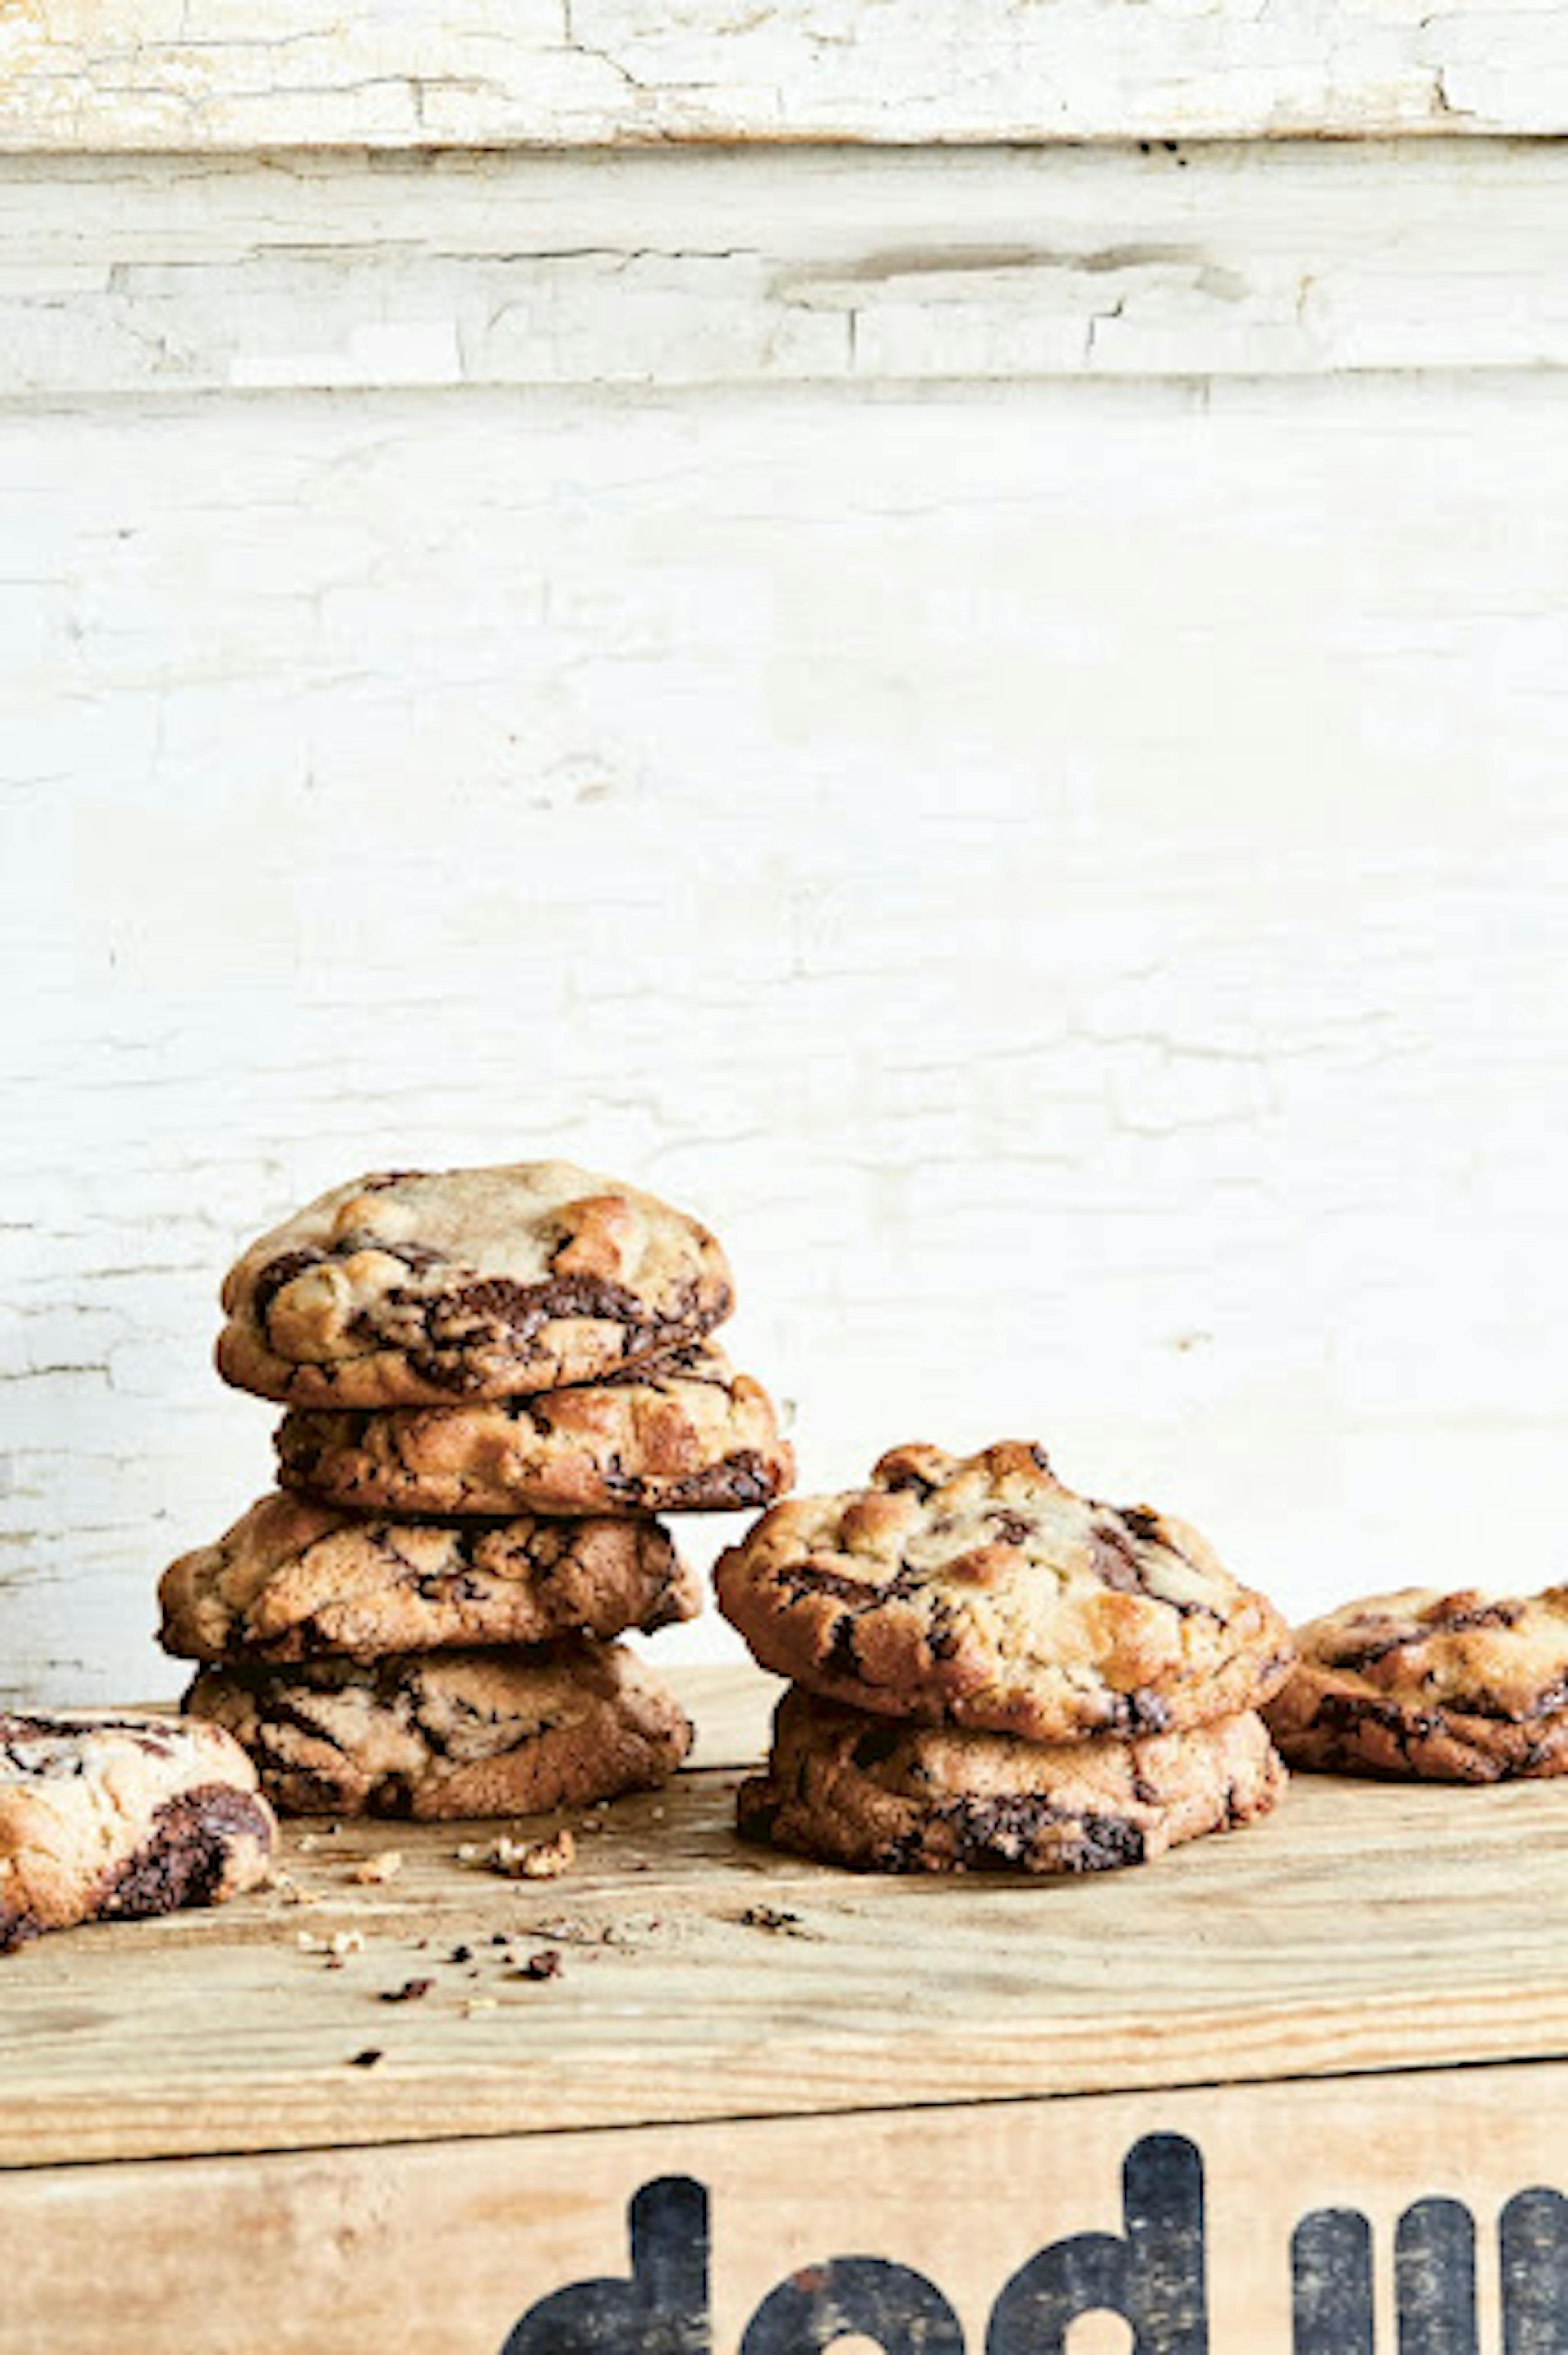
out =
column 662, row 2309
column 1155, row 2278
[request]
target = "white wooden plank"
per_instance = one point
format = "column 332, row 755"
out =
column 208, row 74
column 1069, row 878
column 842, row 267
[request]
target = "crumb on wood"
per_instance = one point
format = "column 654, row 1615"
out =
column 411, row 1991
column 385, row 1867
column 479, row 2003
column 547, row 1965
column 337, row 1948
column 543, row 1859
column 367, row 2058
column 770, row 1917
column 287, row 1890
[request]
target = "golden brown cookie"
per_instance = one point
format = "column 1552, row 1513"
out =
column 1462, row 1688
column 854, row 1789
column 112, row 1817
column 293, row 1579
column 978, row 1591
column 686, row 1435
column 429, row 1286
column 442, row 1734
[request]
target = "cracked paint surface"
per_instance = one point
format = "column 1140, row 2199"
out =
column 845, row 268
column 551, row 73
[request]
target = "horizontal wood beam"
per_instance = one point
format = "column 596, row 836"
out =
column 839, row 268
column 205, row 74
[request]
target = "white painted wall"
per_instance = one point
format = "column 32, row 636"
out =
column 1066, row 874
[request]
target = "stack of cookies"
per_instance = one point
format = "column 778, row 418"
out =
column 496, row 1379
column 994, row 1673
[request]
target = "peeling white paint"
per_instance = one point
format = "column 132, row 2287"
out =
column 202, row 74
column 842, row 268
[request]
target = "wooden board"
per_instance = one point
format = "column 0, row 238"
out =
column 189, row 74
column 1366, row 1928
column 838, row 267
column 447, row 2244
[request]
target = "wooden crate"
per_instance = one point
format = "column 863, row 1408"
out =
column 1291, row 2090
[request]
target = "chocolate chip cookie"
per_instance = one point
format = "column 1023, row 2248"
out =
column 980, row 1591
column 854, row 1789
column 1463, row 1687
column 293, row 1579
column 107, row 1817
column 686, row 1435
column 423, row 1287
column 442, row 1734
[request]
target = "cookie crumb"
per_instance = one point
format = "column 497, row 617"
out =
column 543, row 1965
column 479, row 2003
column 543, row 1859
column 337, row 1948
column 367, row 2058
column 769, row 1917
column 385, row 1867
column 410, row 1991
column 289, row 1892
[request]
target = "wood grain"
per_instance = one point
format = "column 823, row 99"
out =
column 1364, row 1928
column 447, row 2243
column 192, row 74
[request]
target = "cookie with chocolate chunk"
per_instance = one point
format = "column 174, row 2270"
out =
column 293, row 1579
column 854, row 1789
column 108, row 1817
column 978, row 1591
column 442, row 1734
column 1461, row 1688
column 686, row 1435
column 424, row 1287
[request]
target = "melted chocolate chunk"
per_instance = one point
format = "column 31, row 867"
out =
column 277, row 1273
column 876, row 1745
column 185, row 1862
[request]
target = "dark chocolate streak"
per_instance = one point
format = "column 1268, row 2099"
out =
column 15, row 1727
column 185, row 1862
column 495, row 1310
column 998, row 1835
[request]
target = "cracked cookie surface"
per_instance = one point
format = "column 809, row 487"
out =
column 851, row 1788
column 446, row 1734
column 686, row 1435
column 978, row 1591
column 1463, row 1687
column 115, row 1818
column 294, row 1578
column 417, row 1287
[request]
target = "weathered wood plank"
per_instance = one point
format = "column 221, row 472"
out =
column 218, row 2033
column 740, row 269
column 185, row 74
column 450, row 2244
